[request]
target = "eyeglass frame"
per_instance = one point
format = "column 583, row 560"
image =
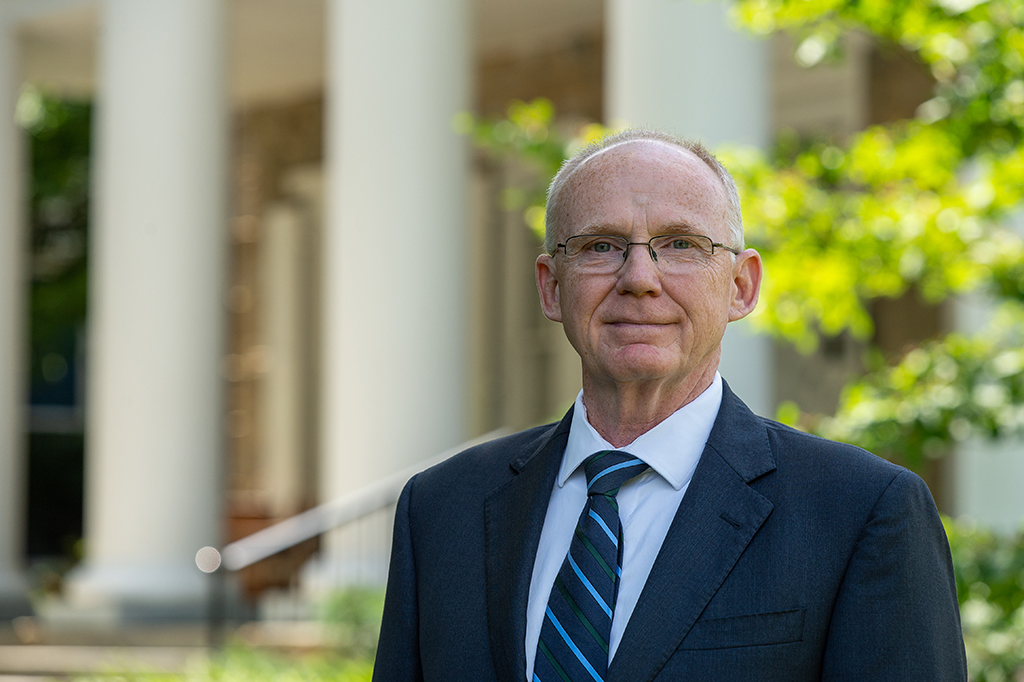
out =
column 648, row 243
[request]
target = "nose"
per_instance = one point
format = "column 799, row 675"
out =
column 639, row 274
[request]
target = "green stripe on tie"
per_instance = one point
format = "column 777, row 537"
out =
column 554, row 664
column 597, row 555
column 579, row 614
column 594, row 459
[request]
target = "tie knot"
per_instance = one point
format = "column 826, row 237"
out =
column 607, row 470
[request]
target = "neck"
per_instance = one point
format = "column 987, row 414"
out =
column 622, row 412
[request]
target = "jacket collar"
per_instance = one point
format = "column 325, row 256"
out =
column 513, row 519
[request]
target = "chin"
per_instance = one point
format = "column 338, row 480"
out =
column 647, row 369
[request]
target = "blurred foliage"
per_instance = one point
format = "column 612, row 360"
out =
column 990, row 584
column 529, row 135
column 973, row 48
column 942, row 392
column 354, row 615
column 916, row 203
column 58, row 136
column 893, row 210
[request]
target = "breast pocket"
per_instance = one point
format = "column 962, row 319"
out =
column 757, row 629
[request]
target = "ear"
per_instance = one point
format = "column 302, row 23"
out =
column 746, row 280
column 547, row 285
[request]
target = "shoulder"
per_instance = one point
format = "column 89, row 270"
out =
column 809, row 449
column 778, row 455
column 488, row 465
column 847, row 475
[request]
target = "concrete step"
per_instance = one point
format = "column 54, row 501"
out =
column 33, row 649
column 43, row 659
column 37, row 631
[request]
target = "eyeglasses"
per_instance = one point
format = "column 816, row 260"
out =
column 605, row 253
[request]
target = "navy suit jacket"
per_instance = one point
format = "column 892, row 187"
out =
column 791, row 558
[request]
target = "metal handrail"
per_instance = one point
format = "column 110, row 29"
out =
column 330, row 515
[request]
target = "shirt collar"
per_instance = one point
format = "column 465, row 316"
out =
column 671, row 448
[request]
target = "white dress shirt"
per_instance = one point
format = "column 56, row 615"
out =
column 647, row 505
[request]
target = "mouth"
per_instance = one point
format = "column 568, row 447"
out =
column 635, row 331
column 636, row 323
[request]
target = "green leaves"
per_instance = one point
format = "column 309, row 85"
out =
column 839, row 226
column 990, row 584
column 529, row 135
column 974, row 50
column 941, row 393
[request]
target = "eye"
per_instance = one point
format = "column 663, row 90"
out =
column 595, row 247
column 602, row 245
column 682, row 243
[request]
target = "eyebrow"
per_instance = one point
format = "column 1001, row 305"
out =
column 681, row 228
column 600, row 228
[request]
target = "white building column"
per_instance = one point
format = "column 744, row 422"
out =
column 13, row 334
column 284, row 260
column 680, row 66
column 393, row 365
column 154, row 441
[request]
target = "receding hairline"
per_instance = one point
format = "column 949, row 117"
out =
column 622, row 143
column 568, row 171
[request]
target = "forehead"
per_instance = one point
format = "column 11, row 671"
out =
column 649, row 181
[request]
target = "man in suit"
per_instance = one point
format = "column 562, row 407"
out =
column 661, row 531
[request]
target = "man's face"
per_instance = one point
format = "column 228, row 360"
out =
column 639, row 324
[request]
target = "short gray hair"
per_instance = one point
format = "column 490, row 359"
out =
column 555, row 204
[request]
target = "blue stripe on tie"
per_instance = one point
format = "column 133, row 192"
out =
column 618, row 570
column 590, row 588
column 604, row 527
column 572, row 645
column 631, row 463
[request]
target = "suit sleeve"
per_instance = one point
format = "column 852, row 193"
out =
column 398, row 650
column 896, row 615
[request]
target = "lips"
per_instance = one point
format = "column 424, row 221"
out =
column 633, row 331
column 637, row 323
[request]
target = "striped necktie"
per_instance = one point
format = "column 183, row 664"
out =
column 577, row 625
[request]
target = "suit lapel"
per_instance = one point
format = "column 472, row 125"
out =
column 716, row 520
column 514, row 516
